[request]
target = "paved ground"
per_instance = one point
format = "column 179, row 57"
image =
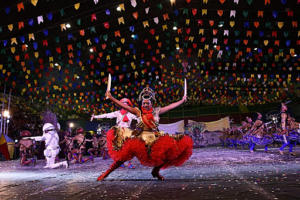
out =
column 211, row 173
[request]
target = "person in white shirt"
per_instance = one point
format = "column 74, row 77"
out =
column 123, row 120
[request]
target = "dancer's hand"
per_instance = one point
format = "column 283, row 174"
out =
column 184, row 98
column 108, row 95
column 92, row 117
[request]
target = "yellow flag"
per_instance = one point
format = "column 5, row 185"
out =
column 187, row 21
column 88, row 42
column 13, row 49
column 122, row 7
column 280, row 24
column 191, row 38
column 31, row 36
column 232, row 23
column 204, row 12
column 146, row 24
column 200, row 52
column 164, row 27
column 34, row 2
column 201, row 31
column 77, row 6
column 13, row 41
column 121, row 20
column 10, row 27
column 63, row 27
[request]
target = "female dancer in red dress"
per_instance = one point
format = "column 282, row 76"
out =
column 152, row 147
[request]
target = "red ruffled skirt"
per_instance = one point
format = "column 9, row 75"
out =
column 166, row 151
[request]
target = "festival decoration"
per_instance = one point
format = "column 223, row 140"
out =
column 155, row 43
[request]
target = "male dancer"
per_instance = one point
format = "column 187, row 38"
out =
column 285, row 128
column 124, row 119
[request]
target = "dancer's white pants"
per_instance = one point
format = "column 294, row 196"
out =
column 50, row 155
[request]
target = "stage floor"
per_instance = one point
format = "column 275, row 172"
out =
column 211, row 173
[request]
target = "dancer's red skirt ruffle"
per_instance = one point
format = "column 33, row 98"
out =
column 165, row 152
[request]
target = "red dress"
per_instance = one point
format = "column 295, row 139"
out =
column 165, row 150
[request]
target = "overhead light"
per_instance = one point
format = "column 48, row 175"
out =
column 56, row 64
column 68, row 25
column 220, row 25
column 26, row 45
column 215, row 46
column 174, row 28
column 119, row 8
column 295, row 55
column 6, row 114
column 91, row 50
column 177, row 48
column 255, row 49
column 71, row 125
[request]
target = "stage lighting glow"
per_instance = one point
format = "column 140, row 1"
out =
column 71, row 125
column 6, row 114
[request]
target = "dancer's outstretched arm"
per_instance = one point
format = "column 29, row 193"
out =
column 119, row 103
column 172, row 105
column 106, row 115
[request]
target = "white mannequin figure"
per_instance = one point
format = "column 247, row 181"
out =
column 51, row 139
